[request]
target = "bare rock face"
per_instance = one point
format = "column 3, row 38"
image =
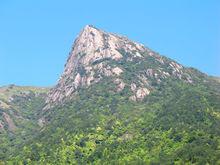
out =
column 85, row 65
column 120, row 84
column 1, row 126
column 141, row 93
column 97, row 54
column 133, row 87
column 117, row 71
column 9, row 121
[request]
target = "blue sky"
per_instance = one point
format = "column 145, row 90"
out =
column 36, row 36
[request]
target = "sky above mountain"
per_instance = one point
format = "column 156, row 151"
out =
column 36, row 36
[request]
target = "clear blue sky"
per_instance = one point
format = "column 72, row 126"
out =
column 36, row 36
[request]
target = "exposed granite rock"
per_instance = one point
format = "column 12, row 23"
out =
column 1, row 126
column 97, row 54
column 141, row 93
column 120, row 84
column 87, row 62
column 77, row 80
column 9, row 121
column 133, row 87
column 117, row 71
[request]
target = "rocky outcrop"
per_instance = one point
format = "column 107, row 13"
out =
column 120, row 84
column 86, row 64
column 133, row 87
column 141, row 93
column 97, row 54
column 9, row 122
column 1, row 126
column 117, row 71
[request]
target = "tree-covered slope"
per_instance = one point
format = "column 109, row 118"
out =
column 118, row 102
column 178, row 124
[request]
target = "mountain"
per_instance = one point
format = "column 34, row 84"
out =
column 97, row 54
column 119, row 102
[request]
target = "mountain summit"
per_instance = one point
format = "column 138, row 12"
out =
column 87, row 61
column 97, row 54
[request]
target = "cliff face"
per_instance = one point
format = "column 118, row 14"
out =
column 97, row 54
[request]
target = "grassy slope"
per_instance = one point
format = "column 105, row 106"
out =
column 7, row 91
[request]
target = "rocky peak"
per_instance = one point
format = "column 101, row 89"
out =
column 97, row 54
column 97, row 44
column 91, row 48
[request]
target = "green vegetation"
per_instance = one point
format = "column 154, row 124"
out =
column 179, row 124
column 8, row 91
column 21, row 105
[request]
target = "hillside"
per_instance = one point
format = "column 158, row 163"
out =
column 119, row 102
column 19, row 107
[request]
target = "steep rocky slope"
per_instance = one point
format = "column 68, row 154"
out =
column 97, row 54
